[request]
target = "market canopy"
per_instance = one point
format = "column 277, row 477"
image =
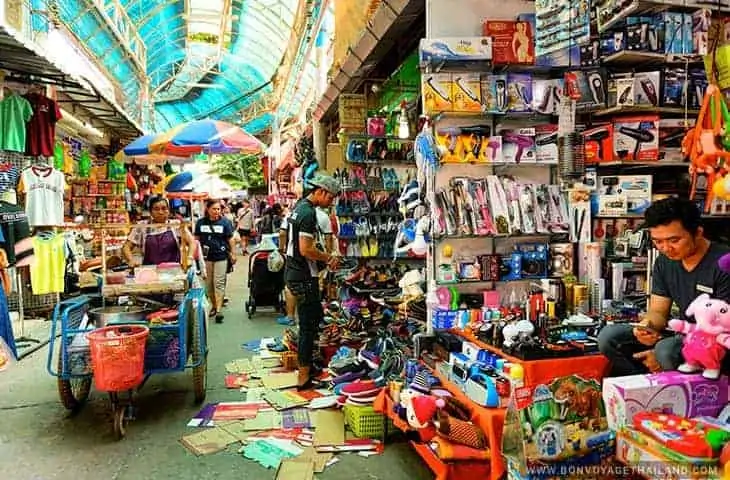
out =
column 203, row 58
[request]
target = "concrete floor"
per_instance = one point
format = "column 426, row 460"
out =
column 39, row 441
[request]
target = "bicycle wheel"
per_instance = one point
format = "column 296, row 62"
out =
column 75, row 391
column 199, row 354
column 120, row 421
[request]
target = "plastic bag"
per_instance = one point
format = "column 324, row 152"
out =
column 275, row 261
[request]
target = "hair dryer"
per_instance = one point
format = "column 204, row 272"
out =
column 520, row 141
column 638, row 134
column 649, row 90
column 598, row 136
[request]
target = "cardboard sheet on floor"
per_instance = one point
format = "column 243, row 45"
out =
column 238, row 410
column 269, row 452
column 210, row 440
column 320, row 460
column 295, row 418
column 283, row 400
column 330, row 428
column 295, row 469
column 238, row 430
column 265, row 420
column 236, row 380
column 242, row 365
column 277, row 381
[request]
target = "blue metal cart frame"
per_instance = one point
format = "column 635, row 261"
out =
column 170, row 348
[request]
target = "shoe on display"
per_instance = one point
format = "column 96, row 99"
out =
column 349, row 377
column 360, row 388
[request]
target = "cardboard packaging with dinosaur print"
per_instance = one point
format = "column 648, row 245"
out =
column 551, row 429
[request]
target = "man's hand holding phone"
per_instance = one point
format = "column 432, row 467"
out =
column 645, row 334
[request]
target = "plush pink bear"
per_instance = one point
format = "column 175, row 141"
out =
column 706, row 340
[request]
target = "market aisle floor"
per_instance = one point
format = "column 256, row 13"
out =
column 38, row 441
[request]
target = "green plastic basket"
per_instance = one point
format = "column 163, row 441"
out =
column 365, row 422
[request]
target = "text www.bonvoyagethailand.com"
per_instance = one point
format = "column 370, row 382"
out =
column 647, row 469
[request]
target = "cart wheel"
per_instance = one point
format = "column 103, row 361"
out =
column 75, row 391
column 120, row 422
column 199, row 354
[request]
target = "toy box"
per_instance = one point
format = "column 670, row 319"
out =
column 671, row 392
column 553, row 428
column 646, row 456
column 437, row 92
column 636, row 139
column 512, row 41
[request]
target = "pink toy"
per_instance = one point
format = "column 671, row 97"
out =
column 706, row 340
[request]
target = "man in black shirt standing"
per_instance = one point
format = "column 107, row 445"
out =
column 302, row 269
column 686, row 268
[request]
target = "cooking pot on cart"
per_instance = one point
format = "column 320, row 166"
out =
column 117, row 314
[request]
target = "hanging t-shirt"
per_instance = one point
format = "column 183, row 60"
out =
column 49, row 266
column 42, row 125
column 58, row 153
column 14, row 227
column 15, row 111
column 43, row 187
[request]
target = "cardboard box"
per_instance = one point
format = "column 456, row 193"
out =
column 555, row 426
column 652, row 460
column 437, row 92
column 546, row 142
column 512, row 41
column 599, row 144
column 670, row 392
column 466, row 92
column 636, row 139
column 635, row 189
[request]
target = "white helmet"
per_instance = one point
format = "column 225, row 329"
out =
column 275, row 262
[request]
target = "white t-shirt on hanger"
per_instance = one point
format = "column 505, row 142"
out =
column 43, row 187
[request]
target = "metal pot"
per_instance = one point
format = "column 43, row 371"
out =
column 104, row 316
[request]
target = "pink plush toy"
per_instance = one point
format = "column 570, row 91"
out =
column 706, row 340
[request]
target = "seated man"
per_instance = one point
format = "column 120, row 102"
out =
column 686, row 267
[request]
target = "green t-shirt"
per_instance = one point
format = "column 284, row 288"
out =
column 15, row 112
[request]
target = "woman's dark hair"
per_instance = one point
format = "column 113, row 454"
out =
column 210, row 202
column 668, row 210
column 155, row 200
column 276, row 209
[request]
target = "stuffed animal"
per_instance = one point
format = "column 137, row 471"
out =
column 707, row 339
column 420, row 414
column 410, row 284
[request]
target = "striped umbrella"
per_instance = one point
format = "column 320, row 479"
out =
column 205, row 136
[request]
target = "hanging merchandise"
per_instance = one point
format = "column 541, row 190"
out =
column 9, row 176
column 8, row 350
column 14, row 228
column 49, row 267
column 43, row 187
column 41, row 128
column 15, row 111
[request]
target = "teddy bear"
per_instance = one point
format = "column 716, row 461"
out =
column 420, row 413
column 707, row 339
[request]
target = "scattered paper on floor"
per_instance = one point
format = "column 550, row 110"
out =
column 210, row 440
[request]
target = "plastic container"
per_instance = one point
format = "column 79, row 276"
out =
column 117, row 356
column 365, row 422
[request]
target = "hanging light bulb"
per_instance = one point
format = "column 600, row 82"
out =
column 404, row 130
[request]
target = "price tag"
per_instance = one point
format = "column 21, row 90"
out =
column 566, row 116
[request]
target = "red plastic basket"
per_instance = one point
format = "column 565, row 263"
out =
column 117, row 356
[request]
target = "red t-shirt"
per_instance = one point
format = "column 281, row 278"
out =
column 41, row 128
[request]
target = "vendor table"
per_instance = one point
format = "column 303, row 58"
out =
column 491, row 420
column 173, row 280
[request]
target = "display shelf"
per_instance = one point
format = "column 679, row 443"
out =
column 627, row 109
column 525, row 116
column 629, row 58
column 496, row 237
column 502, row 164
column 490, row 420
column 657, row 164
column 606, row 20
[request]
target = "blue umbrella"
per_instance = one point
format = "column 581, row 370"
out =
column 180, row 182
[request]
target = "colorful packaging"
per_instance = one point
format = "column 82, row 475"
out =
column 437, row 92
column 636, row 139
column 519, row 92
column 671, row 392
column 512, row 41
column 466, row 92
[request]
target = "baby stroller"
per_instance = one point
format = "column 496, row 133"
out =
column 265, row 288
